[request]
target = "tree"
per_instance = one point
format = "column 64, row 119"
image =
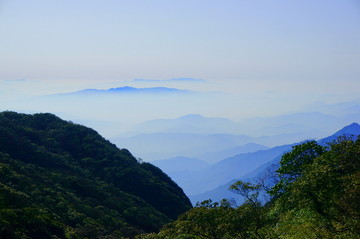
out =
column 249, row 191
column 323, row 202
column 251, row 212
column 293, row 164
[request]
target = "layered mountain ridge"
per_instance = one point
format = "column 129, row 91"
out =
column 238, row 163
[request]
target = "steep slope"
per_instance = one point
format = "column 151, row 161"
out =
column 217, row 156
column 179, row 164
column 62, row 179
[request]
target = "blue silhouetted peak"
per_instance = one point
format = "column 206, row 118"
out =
column 352, row 129
column 129, row 89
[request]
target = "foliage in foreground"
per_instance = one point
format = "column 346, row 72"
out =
column 317, row 196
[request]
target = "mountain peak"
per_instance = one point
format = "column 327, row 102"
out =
column 192, row 116
column 353, row 129
column 131, row 90
column 348, row 131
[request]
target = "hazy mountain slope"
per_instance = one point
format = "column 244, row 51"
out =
column 129, row 90
column 183, row 79
column 222, row 191
column 312, row 119
column 262, row 171
column 316, row 122
column 348, row 131
column 225, row 170
column 196, row 136
column 58, row 178
column 216, row 156
column 340, row 109
column 179, row 164
column 189, row 124
column 292, row 124
column 155, row 146
column 291, row 129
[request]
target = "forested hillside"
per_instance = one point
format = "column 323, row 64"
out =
column 317, row 196
column 62, row 180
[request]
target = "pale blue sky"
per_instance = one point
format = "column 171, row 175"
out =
column 237, row 41
column 274, row 56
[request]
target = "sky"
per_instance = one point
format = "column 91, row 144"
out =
column 289, row 51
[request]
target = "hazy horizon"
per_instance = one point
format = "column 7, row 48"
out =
column 250, row 58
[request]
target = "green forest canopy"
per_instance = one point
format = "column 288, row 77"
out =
column 62, row 180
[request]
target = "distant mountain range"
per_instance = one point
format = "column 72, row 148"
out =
column 130, row 90
column 162, row 145
column 208, row 138
column 341, row 109
column 171, row 80
column 195, row 123
column 271, row 164
column 199, row 181
column 215, row 156
column 316, row 122
column 179, row 164
column 192, row 123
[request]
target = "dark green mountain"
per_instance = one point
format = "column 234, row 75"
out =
column 62, row 180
